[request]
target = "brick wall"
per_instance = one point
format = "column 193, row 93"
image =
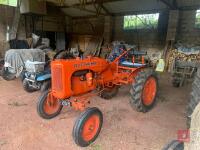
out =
column 187, row 33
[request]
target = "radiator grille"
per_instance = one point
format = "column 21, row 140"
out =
column 57, row 78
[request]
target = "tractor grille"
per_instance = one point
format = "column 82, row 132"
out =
column 57, row 78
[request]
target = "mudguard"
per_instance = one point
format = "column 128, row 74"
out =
column 43, row 77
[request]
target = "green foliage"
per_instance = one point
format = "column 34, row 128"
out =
column 9, row 2
column 197, row 23
column 145, row 21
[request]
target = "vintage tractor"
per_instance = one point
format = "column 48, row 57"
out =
column 75, row 81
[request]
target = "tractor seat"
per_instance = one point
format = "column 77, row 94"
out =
column 132, row 65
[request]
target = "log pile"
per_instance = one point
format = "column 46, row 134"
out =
column 174, row 53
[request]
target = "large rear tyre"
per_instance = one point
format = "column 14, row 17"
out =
column 109, row 92
column 174, row 145
column 144, row 91
column 194, row 98
column 48, row 106
column 87, row 127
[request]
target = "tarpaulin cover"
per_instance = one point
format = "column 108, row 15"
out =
column 16, row 58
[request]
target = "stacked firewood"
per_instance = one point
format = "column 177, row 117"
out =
column 172, row 54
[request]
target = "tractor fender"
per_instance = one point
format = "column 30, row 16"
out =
column 44, row 77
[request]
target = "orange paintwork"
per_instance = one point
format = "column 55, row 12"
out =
column 149, row 91
column 90, row 128
column 66, row 84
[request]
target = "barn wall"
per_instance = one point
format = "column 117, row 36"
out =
column 187, row 33
column 54, row 21
column 146, row 38
column 6, row 17
column 111, row 28
column 88, row 26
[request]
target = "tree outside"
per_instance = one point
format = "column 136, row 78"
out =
column 197, row 23
column 144, row 21
column 9, row 2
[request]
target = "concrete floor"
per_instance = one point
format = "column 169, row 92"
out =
column 22, row 129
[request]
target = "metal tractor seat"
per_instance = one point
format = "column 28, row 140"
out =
column 132, row 53
column 132, row 65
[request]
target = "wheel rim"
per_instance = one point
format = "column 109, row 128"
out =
column 90, row 128
column 51, row 104
column 149, row 91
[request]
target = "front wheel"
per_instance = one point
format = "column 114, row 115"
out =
column 87, row 127
column 144, row 90
column 48, row 106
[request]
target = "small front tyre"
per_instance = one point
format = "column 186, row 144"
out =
column 48, row 106
column 87, row 127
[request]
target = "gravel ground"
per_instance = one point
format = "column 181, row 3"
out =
column 22, row 129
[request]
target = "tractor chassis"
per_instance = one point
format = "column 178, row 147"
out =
column 104, row 83
column 123, row 77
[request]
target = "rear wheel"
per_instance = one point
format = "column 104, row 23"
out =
column 48, row 106
column 109, row 92
column 144, row 91
column 87, row 127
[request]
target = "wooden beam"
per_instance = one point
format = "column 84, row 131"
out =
column 89, row 3
column 175, row 3
column 193, row 7
column 88, row 10
column 106, row 10
column 150, row 11
column 124, row 13
column 87, row 17
column 169, row 4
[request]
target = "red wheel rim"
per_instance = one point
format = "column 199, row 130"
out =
column 90, row 128
column 51, row 104
column 149, row 91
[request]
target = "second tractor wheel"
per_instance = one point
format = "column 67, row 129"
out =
column 144, row 90
column 27, row 87
column 48, row 106
column 87, row 127
column 109, row 92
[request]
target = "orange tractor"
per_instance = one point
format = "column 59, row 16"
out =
column 75, row 81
